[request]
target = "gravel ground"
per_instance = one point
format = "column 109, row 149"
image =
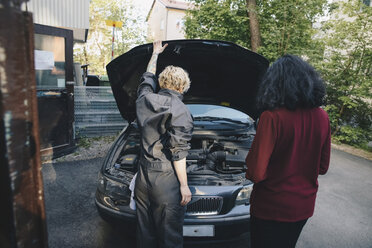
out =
column 89, row 148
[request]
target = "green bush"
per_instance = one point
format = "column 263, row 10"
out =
column 354, row 136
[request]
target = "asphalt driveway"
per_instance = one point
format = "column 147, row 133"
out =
column 343, row 210
column 342, row 219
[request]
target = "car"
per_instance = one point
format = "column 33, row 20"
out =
column 224, row 83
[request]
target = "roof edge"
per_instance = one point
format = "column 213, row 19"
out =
column 152, row 6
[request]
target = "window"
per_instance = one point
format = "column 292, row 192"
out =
column 50, row 61
column 180, row 23
column 202, row 110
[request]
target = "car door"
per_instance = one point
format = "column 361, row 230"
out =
column 55, row 93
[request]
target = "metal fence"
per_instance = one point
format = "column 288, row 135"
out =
column 96, row 112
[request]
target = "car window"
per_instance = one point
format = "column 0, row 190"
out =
column 200, row 110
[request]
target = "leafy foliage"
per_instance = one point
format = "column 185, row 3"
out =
column 339, row 47
column 347, row 70
column 355, row 136
column 287, row 28
column 219, row 20
column 97, row 51
column 286, row 25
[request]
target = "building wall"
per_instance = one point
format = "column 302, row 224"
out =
column 175, row 24
column 157, row 22
column 165, row 23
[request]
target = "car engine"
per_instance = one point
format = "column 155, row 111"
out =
column 217, row 157
column 206, row 156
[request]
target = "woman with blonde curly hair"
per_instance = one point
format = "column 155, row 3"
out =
column 165, row 123
column 174, row 78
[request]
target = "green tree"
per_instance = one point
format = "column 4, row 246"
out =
column 286, row 26
column 340, row 48
column 254, row 25
column 219, row 20
column 346, row 68
column 97, row 50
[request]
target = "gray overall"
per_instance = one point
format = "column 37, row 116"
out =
column 166, row 126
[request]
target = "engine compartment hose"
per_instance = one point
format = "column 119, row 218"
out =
column 213, row 158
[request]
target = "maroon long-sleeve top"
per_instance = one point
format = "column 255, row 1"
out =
column 290, row 150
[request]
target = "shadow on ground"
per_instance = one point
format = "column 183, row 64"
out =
column 72, row 217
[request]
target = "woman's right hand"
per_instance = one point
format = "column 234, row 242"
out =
column 186, row 195
column 158, row 48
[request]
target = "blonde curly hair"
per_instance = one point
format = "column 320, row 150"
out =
column 174, row 78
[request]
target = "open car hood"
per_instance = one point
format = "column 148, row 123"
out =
column 221, row 73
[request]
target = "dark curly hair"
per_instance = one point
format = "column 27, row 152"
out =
column 292, row 83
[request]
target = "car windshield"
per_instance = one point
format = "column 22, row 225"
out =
column 215, row 112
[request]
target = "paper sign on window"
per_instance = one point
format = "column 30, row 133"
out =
column 44, row 60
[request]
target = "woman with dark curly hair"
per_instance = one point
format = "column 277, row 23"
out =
column 290, row 150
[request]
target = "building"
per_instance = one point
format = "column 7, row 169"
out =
column 57, row 25
column 165, row 19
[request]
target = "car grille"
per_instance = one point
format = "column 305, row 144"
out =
column 204, row 206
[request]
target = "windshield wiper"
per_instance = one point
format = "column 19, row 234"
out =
column 211, row 118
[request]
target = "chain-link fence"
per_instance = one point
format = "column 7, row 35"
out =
column 96, row 112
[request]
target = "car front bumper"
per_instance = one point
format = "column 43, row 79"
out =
column 232, row 224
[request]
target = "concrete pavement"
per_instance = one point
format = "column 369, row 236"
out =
column 343, row 211
column 342, row 219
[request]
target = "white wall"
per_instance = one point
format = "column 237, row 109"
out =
column 175, row 24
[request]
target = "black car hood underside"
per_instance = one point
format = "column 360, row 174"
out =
column 221, row 73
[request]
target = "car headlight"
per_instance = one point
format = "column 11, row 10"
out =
column 244, row 195
column 101, row 183
column 118, row 192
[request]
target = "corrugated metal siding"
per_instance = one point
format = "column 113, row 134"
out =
column 60, row 13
